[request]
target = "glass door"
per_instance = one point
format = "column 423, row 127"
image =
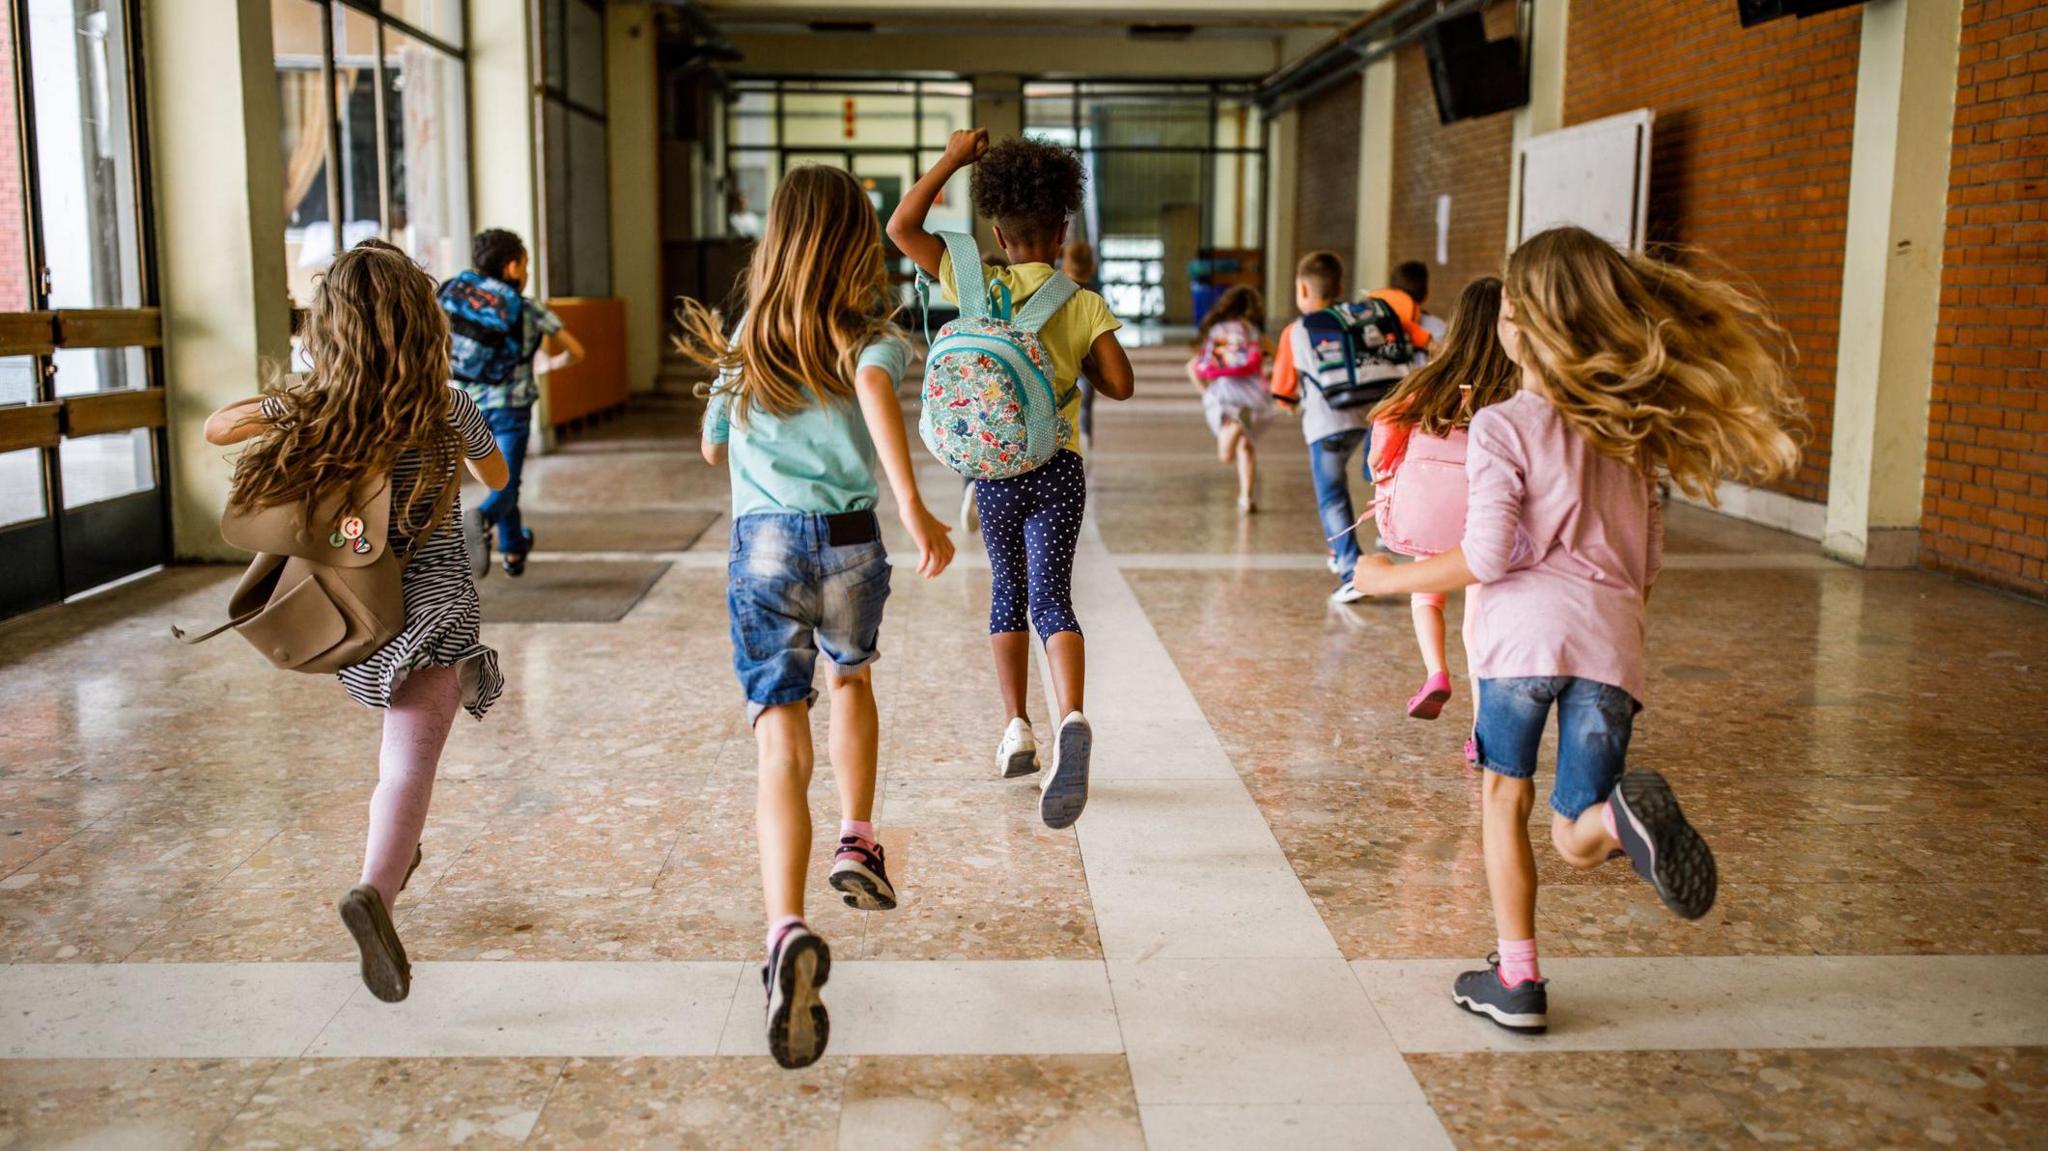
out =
column 81, row 399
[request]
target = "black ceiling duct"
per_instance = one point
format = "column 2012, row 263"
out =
column 1474, row 76
column 1755, row 12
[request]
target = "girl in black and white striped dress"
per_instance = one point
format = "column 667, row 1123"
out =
column 378, row 398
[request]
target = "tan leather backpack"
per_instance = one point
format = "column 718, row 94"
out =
column 324, row 591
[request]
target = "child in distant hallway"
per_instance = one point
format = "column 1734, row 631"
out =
column 1431, row 409
column 1230, row 373
column 1411, row 278
column 1630, row 369
column 377, row 399
column 1029, row 190
column 804, row 403
column 496, row 334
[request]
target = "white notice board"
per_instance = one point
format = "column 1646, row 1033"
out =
column 1595, row 175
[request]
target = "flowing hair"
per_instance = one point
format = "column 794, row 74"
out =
column 1662, row 369
column 378, row 343
column 1236, row 303
column 1470, row 371
column 817, row 293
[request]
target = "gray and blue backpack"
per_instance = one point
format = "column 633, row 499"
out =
column 990, row 409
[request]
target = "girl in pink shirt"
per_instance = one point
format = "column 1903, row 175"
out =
column 1422, row 424
column 1631, row 369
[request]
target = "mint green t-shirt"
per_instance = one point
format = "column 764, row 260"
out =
column 819, row 461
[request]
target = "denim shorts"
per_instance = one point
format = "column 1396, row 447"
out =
column 791, row 594
column 1593, row 725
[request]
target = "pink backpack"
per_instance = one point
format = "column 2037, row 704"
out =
column 1420, row 509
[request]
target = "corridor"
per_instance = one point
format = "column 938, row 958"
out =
column 1246, row 941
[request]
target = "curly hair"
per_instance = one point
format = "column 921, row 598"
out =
column 1029, row 188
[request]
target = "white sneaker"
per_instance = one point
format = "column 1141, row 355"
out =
column 1065, row 790
column 1018, row 753
column 970, row 517
column 1347, row 592
column 1330, row 561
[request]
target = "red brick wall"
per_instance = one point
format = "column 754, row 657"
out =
column 1469, row 161
column 1326, row 194
column 1986, row 503
column 1750, row 158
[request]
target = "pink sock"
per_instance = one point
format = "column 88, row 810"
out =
column 1518, row 962
column 860, row 827
column 1607, row 820
column 415, row 729
column 779, row 926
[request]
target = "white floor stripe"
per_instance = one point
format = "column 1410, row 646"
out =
column 1724, row 1002
column 1321, row 1126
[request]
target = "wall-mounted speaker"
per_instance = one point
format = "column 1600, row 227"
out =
column 1755, row 12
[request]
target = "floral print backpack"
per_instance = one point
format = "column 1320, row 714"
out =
column 990, row 411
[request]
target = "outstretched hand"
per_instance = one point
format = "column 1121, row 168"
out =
column 933, row 539
column 966, row 146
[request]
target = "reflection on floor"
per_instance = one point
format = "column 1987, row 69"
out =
column 1244, row 942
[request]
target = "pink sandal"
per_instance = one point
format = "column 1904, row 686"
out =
column 1429, row 702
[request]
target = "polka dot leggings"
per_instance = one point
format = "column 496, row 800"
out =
column 1030, row 524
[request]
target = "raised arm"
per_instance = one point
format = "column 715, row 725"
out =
column 906, row 223
column 236, row 422
column 884, row 416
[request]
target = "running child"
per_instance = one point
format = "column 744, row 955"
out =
column 804, row 404
column 377, row 399
column 1423, row 421
column 1230, row 373
column 1029, row 189
column 1631, row 369
column 497, row 334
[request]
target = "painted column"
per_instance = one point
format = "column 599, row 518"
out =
column 1545, row 110
column 1283, row 161
column 502, row 146
column 218, row 182
column 634, row 142
column 1891, row 279
column 1373, row 262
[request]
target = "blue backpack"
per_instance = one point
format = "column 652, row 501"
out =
column 990, row 411
column 486, row 323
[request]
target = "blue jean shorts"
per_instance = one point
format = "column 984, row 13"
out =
column 1593, row 725
column 792, row 593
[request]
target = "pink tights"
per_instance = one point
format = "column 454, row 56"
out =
column 415, row 728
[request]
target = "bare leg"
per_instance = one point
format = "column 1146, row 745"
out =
column 1227, row 441
column 415, row 730
column 1583, row 842
column 1510, row 865
column 1429, row 634
column 1247, row 467
column 1013, row 669
column 1069, row 659
column 855, row 735
column 782, row 808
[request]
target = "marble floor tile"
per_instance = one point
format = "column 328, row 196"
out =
column 144, row 1103
column 398, row 1103
column 1012, row 1102
column 1335, row 1126
column 716, row 1104
column 168, row 1011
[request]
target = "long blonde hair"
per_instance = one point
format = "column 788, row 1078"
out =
column 378, row 343
column 1470, row 371
column 817, row 293
column 1657, row 367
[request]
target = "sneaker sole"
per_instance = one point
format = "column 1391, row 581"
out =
column 799, row 1027
column 1066, row 793
column 1429, row 706
column 1021, row 763
column 385, row 970
column 1519, row 1024
column 1680, row 865
column 863, row 889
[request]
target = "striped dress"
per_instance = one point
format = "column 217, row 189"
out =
column 442, row 613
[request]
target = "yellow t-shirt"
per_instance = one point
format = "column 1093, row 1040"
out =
column 1067, row 336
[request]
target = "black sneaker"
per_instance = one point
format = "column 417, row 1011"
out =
column 515, row 562
column 1523, row 1008
column 858, row 874
column 1664, row 848
column 797, row 1023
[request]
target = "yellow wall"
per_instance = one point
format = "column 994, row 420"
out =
column 633, row 137
column 501, row 131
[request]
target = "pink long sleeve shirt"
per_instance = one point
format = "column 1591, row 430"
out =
column 1566, row 542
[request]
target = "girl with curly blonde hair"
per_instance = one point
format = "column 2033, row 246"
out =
column 1632, row 370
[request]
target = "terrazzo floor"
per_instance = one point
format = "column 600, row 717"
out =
column 1246, row 941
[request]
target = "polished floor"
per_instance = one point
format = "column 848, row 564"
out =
column 1246, row 942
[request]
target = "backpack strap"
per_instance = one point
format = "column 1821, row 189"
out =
column 1051, row 296
column 966, row 256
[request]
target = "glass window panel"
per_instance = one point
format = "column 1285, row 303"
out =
column 553, row 43
column 821, row 118
column 1146, row 122
column 427, row 141
column 584, row 43
column 15, row 293
column 441, row 19
column 751, row 120
column 943, row 116
column 96, row 468
column 299, row 48
column 355, row 82
column 18, row 381
column 85, row 152
column 1052, row 111
column 22, row 492
column 753, row 178
column 952, row 212
column 83, row 371
column 590, row 217
column 556, row 196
